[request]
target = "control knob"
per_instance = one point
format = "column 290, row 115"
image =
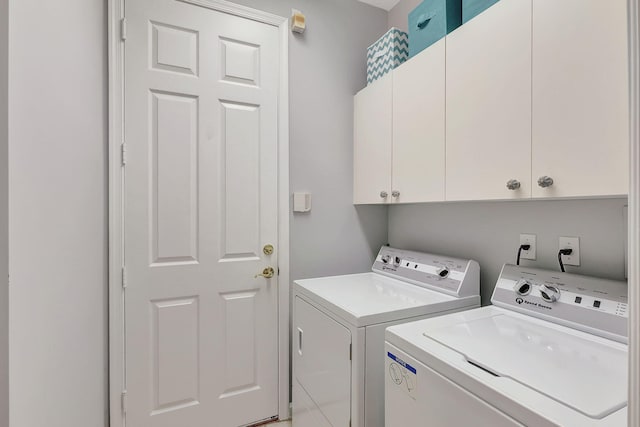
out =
column 522, row 287
column 386, row 259
column 549, row 293
column 443, row 272
column 396, row 261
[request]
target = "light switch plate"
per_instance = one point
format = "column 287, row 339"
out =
column 528, row 239
column 301, row 202
column 570, row 243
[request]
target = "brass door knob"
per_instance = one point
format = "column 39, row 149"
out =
column 267, row 273
column 268, row 249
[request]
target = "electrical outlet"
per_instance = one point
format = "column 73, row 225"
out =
column 570, row 243
column 528, row 239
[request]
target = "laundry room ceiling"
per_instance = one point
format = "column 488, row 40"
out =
column 382, row 4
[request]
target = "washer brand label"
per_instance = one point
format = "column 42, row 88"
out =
column 403, row 375
column 535, row 304
column 401, row 362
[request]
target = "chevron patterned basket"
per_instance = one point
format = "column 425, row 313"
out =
column 387, row 53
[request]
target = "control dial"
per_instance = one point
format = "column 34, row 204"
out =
column 523, row 287
column 549, row 293
column 443, row 272
column 396, row 261
column 386, row 259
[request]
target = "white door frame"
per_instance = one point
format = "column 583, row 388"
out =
column 633, row 404
column 116, row 181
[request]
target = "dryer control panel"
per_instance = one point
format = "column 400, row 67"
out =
column 453, row 276
column 598, row 306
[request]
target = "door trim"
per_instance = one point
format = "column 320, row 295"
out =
column 634, row 214
column 116, row 181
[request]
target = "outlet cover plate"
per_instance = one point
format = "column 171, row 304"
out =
column 570, row 243
column 528, row 239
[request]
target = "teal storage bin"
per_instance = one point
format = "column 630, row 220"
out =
column 431, row 21
column 473, row 8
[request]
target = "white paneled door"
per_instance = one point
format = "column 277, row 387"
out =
column 201, row 128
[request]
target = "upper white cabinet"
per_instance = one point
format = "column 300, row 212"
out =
column 580, row 97
column 488, row 105
column 419, row 127
column 528, row 99
column 399, row 154
column 372, row 142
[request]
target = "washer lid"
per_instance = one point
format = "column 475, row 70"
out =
column 587, row 375
column 370, row 298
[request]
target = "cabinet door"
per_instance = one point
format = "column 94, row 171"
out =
column 580, row 97
column 372, row 142
column 419, row 127
column 322, row 362
column 489, row 104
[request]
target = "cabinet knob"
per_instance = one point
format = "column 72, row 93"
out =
column 545, row 181
column 513, row 184
column 383, row 194
column 395, row 194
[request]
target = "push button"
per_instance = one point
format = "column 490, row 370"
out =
column 596, row 304
column 578, row 300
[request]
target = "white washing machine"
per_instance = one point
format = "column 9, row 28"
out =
column 550, row 352
column 339, row 324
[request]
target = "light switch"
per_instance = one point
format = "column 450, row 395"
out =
column 302, row 202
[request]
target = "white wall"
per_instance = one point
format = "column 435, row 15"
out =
column 489, row 233
column 58, row 201
column 327, row 66
column 58, row 197
column 4, row 211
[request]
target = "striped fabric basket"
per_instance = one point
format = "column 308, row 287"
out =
column 387, row 53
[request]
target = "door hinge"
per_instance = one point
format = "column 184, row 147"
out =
column 123, row 29
column 124, row 277
column 123, row 401
column 123, row 153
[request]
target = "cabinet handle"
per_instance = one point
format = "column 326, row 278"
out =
column 545, row 181
column 383, row 194
column 513, row 184
column 395, row 194
column 423, row 20
column 300, row 336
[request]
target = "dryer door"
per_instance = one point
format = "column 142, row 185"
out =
column 322, row 362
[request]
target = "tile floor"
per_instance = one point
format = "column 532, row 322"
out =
column 280, row 424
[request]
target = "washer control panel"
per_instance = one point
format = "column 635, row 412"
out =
column 595, row 305
column 454, row 276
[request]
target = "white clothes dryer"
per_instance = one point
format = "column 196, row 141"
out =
column 550, row 352
column 339, row 324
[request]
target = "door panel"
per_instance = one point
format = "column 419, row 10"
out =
column 580, row 98
column 176, row 379
column 200, row 203
column 174, row 202
column 489, row 104
column 322, row 363
column 419, row 127
column 373, row 120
